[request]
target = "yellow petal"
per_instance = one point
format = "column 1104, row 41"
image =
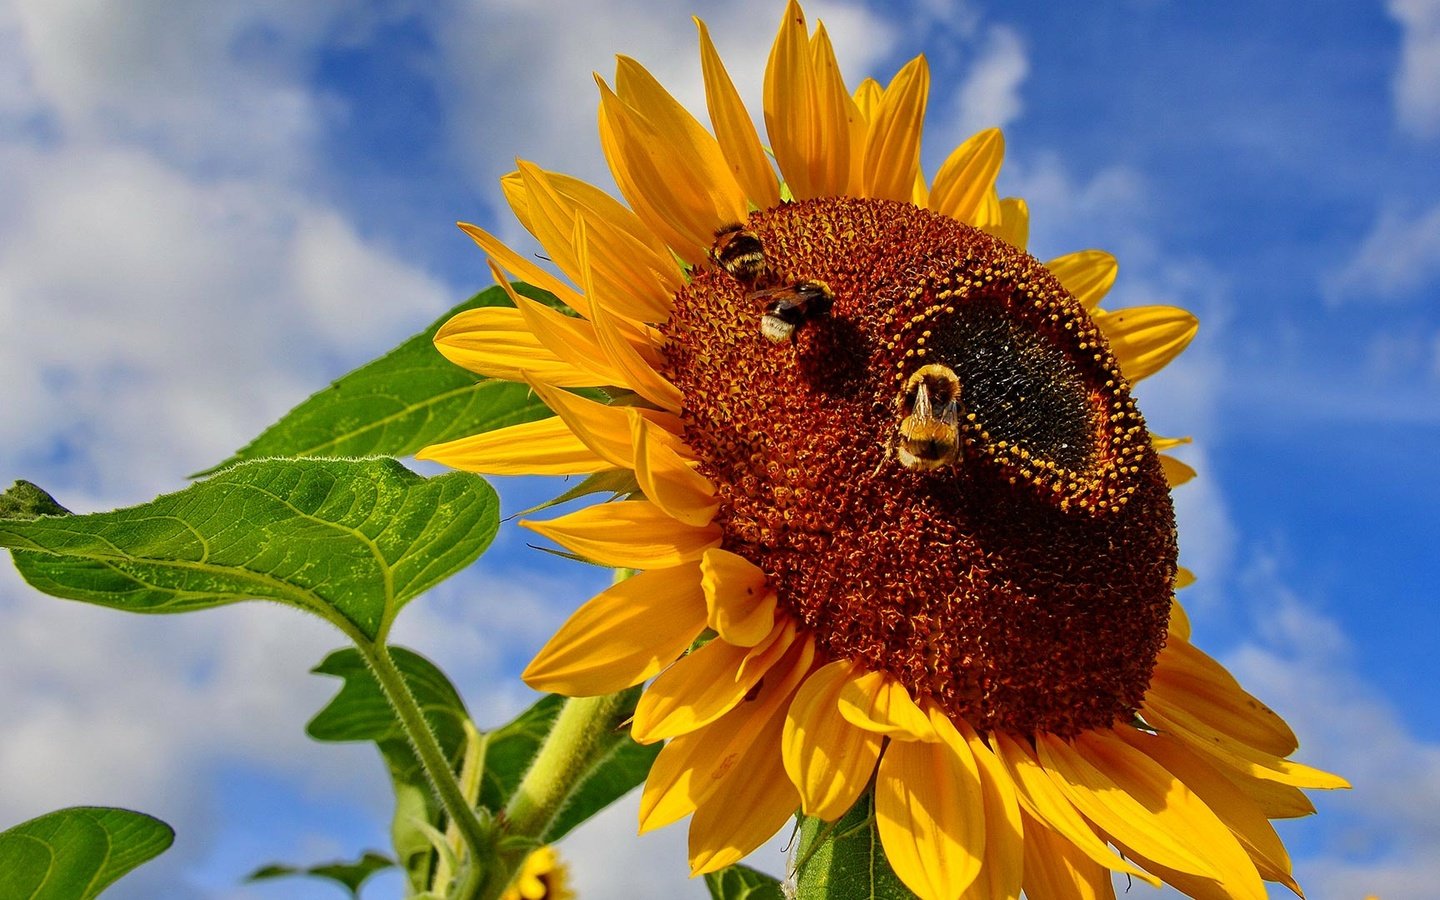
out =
column 705, row 685
column 929, row 808
column 1014, row 225
column 1145, row 339
column 1183, row 578
column 1139, row 774
column 623, row 635
column 1276, row 801
column 1186, row 678
column 999, row 877
column 1042, row 798
column 734, row 129
column 1135, row 802
column 1086, row 274
column 567, row 337
column 633, row 534
column 623, row 268
column 524, row 269
column 1179, row 621
column 1223, row 748
column 695, row 766
column 738, row 597
column 600, row 206
column 1161, row 444
column 667, row 480
column 1056, row 870
column 755, row 798
column 622, row 354
column 967, row 178
column 604, row 429
column 675, row 179
column 892, row 145
column 1239, row 813
column 1176, row 472
column 867, row 98
column 990, row 217
column 878, row 702
column 829, row 760
column 496, row 342
column 543, row 447
column 807, row 111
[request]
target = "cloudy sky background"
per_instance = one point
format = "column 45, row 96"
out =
column 209, row 210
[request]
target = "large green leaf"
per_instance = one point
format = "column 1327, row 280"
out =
column 407, row 399
column 74, row 854
column 843, row 860
column 349, row 540
column 621, row 764
column 360, row 712
column 348, row 874
column 742, row 883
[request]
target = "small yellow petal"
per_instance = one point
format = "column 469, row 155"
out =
column 755, row 797
column 739, row 599
column 567, row 337
column 829, row 760
column 1043, row 799
column 1176, row 472
column 1145, row 339
column 1161, row 444
column 496, row 342
column 1056, row 870
column 1183, row 578
column 524, row 269
column 543, row 447
column 878, row 702
column 929, row 808
column 1014, row 225
column 633, row 534
column 1222, row 747
column 967, row 178
column 892, row 146
column 1000, row 874
column 807, row 111
column 867, row 98
column 623, row 635
column 734, row 129
column 1179, row 621
column 705, row 685
column 667, row 480
column 1135, row 801
column 1228, row 802
column 1186, row 678
column 1086, row 274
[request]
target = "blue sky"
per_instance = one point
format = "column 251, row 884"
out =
column 207, row 211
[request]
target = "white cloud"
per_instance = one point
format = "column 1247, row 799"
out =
column 1417, row 82
column 520, row 75
column 990, row 95
column 1398, row 258
column 1384, row 836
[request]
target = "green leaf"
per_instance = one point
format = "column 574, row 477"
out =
column 25, row 500
column 622, row 764
column 74, row 854
column 742, row 883
column 407, row 399
column 617, row 482
column 843, row 860
column 360, row 712
column 349, row 875
column 349, row 540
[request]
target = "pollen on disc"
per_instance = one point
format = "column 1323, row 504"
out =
column 1026, row 585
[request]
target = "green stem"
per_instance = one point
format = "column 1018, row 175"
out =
column 575, row 745
column 427, row 749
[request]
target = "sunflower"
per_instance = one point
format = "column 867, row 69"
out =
column 541, row 877
column 896, row 520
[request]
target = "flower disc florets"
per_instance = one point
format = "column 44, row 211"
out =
column 1025, row 584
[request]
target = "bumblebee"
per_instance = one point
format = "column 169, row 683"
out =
column 929, row 433
column 789, row 307
column 738, row 251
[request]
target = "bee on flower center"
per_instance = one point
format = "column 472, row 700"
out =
column 791, row 306
column 738, row 251
column 929, row 433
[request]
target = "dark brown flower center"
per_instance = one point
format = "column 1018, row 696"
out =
column 1022, row 581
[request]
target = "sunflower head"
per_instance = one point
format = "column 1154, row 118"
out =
column 898, row 523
